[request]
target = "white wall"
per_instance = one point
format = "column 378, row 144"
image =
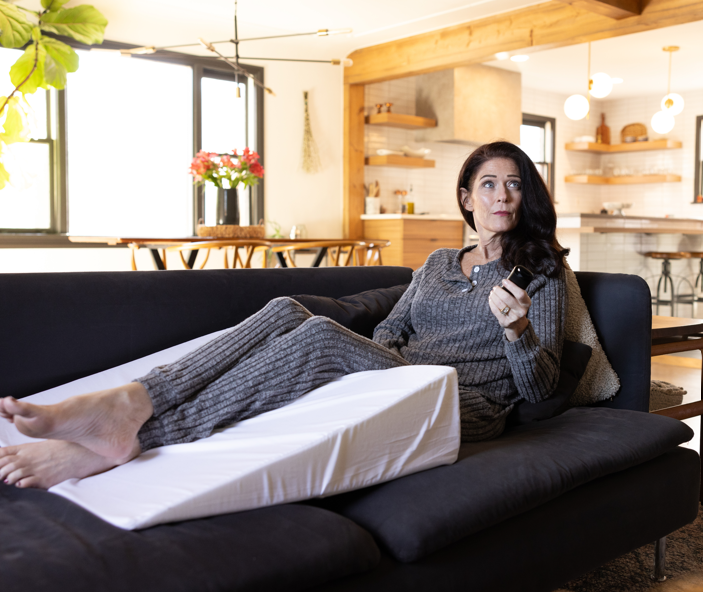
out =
column 292, row 196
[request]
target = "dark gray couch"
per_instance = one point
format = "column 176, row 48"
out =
column 530, row 510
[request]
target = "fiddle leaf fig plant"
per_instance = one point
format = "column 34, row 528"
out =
column 45, row 62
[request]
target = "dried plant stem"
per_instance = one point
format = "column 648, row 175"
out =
column 310, row 162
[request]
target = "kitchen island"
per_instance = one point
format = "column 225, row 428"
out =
column 615, row 244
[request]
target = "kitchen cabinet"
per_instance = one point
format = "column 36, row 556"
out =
column 413, row 238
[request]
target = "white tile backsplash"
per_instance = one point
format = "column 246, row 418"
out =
column 433, row 189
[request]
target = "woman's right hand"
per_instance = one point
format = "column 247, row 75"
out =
column 510, row 308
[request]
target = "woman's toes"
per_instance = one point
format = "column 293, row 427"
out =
column 6, row 468
column 28, row 482
column 14, row 476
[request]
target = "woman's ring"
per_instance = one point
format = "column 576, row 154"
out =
column 505, row 310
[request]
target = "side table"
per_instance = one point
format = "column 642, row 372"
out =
column 672, row 335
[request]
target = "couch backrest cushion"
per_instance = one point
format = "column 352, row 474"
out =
column 58, row 327
column 359, row 312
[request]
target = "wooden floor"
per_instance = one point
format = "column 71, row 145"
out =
column 667, row 368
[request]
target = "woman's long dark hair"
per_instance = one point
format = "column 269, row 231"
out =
column 532, row 242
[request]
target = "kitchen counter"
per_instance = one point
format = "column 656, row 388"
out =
column 606, row 223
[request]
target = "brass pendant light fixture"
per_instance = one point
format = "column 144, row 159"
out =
column 600, row 86
column 672, row 104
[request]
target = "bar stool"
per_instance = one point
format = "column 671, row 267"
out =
column 698, row 296
column 666, row 281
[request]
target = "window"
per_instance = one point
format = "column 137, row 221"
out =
column 130, row 141
column 223, row 134
column 537, row 135
column 133, row 125
column 698, row 187
column 26, row 203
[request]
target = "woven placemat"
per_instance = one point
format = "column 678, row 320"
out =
column 230, row 231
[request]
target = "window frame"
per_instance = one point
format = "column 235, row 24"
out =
column 54, row 127
column 202, row 66
column 541, row 121
column 698, row 173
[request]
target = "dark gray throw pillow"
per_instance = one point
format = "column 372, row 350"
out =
column 574, row 359
column 358, row 312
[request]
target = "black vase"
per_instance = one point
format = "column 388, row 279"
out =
column 227, row 206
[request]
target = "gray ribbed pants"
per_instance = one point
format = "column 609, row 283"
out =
column 268, row 360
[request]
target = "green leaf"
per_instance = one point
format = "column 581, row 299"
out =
column 84, row 23
column 23, row 66
column 4, row 176
column 60, row 59
column 15, row 127
column 52, row 5
column 15, row 29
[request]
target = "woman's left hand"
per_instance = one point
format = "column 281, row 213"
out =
column 510, row 308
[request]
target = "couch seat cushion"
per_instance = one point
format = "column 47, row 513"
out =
column 497, row 479
column 49, row 543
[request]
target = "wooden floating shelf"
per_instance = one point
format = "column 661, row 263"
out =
column 630, row 147
column 400, row 120
column 623, row 180
column 393, row 160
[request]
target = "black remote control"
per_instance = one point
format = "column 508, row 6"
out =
column 520, row 276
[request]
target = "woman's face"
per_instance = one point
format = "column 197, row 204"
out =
column 495, row 197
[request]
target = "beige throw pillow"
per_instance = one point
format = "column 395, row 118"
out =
column 599, row 382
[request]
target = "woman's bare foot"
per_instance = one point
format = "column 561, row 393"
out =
column 105, row 422
column 45, row 464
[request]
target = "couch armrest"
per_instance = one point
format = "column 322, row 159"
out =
column 621, row 309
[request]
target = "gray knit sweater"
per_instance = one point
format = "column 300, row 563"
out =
column 444, row 319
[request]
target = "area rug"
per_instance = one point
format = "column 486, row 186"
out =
column 631, row 572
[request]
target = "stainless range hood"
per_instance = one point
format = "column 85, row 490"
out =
column 472, row 105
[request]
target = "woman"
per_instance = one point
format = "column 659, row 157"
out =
column 454, row 313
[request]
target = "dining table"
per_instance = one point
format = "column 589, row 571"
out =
column 157, row 245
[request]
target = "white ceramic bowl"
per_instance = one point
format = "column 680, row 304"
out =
column 415, row 153
column 386, row 152
column 617, row 207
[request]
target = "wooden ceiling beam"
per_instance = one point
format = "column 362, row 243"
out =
column 535, row 28
column 614, row 9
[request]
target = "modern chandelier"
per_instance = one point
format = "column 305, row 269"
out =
column 234, row 61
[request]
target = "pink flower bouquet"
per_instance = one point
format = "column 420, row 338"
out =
column 234, row 168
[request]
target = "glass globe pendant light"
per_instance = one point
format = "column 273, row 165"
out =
column 662, row 122
column 576, row 107
column 600, row 86
column 672, row 104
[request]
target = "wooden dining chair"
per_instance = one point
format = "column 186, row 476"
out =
column 371, row 250
column 340, row 253
column 249, row 246
column 134, row 247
